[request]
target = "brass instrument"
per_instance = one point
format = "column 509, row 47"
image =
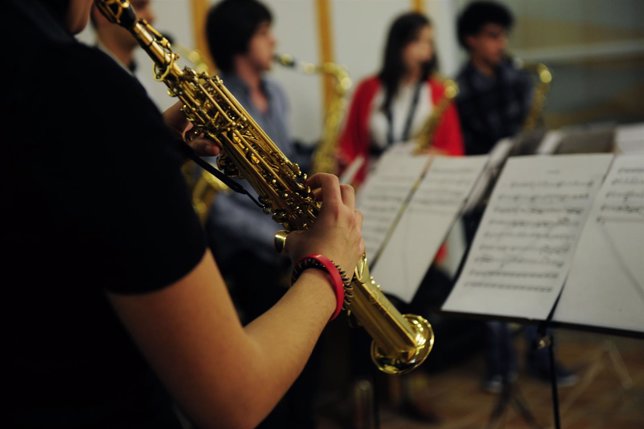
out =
column 204, row 187
column 324, row 159
column 425, row 137
column 539, row 95
column 400, row 343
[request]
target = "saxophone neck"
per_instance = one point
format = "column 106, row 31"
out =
column 341, row 76
column 158, row 47
column 425, row 137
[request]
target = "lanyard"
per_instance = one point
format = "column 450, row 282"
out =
column 410, row 117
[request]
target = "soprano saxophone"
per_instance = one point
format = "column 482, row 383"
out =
column 324, row 158
column 400, row 342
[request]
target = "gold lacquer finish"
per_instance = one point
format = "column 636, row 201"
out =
column 324, row 160
column 425, row 137
column 544, row 78
column 203, row 186
column 400, row 343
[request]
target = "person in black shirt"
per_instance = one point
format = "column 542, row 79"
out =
column 113, row 299
column 494, row 95
column 493, row 101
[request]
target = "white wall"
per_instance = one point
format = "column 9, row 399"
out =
column 358, row 29
column 597, row 29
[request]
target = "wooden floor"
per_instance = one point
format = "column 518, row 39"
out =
column 609, row 393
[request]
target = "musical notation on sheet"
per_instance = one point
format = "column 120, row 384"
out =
column 520, row 256
column 383, row 194
column 425, row 222
column 605, row 286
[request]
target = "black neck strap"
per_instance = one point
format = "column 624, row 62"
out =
column 235, row 186
column 410, row 117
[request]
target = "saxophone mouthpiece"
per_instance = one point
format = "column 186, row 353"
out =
column 284, row 59
column 118, row 11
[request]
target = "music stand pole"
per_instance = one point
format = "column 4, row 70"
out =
column 547, row 340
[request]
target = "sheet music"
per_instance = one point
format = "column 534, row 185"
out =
column 629, row 139
column 496, row 158
column 351, row 171
column 606, row 283
column 383, row 194
column 522, row 250
column 550, row 142
column 425, row 223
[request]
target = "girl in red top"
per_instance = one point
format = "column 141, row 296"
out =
column 392, row 106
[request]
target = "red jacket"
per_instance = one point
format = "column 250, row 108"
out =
column 355, row 141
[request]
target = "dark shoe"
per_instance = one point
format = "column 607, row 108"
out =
column 494, row 383
column 565, row 377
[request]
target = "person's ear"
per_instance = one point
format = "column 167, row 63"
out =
column 470, row 41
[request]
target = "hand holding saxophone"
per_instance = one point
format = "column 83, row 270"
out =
column 337, row 232
column 176, row 120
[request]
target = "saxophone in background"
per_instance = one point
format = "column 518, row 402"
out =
column 425, row 137
column 544, row 80
column 324, row 158
column 400, row 343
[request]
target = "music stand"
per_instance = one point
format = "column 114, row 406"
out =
column 510, row 395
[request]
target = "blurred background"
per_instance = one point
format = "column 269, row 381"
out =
column 594, row 48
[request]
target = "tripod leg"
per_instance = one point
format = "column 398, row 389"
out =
column 521, row 406
column 500, row 406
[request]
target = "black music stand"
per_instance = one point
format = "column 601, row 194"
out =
column 511, row 395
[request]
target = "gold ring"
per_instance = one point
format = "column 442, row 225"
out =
column 280, row 240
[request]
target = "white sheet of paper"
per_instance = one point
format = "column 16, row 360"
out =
column 382, row 195
column 550, row 142
column 425, row 223
column 629, row 139
column 497, row 157
column 630, row 132
column 605, row 286
column 522, row 249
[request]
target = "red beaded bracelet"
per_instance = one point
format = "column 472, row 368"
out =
column 335, row 274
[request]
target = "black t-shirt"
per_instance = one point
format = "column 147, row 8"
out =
column 93, row 200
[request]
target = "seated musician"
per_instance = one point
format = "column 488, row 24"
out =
column 392, row 106
column 493, row 101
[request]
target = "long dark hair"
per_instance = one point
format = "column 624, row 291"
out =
column 403, row 31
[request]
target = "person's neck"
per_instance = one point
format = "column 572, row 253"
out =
column 249, row 75
column 125, row 55
column 252, row 76
column 411, row 77
column 484, row 67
